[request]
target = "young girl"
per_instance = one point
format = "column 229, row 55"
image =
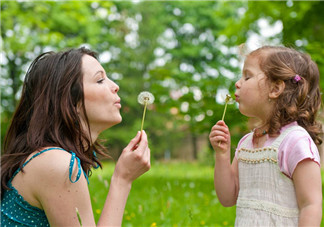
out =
column 275, row 177
column 67, row 100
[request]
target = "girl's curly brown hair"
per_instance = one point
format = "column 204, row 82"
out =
column 300, row 101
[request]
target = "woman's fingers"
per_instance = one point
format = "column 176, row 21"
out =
column 143, row 152
column 133, row 143
column 135, row 158
column 143, row 144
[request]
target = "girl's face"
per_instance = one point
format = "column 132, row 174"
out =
column 102, row 104
column 252, row 90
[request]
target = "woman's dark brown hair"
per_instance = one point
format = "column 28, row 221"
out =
column 300, row 101
column 47, row 114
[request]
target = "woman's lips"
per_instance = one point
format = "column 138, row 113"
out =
column 118, row 104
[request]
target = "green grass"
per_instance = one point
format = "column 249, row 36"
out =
column 170, row 194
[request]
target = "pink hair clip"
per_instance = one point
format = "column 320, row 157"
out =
column 297, row 78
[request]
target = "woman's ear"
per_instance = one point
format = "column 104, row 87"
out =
column 276, row 88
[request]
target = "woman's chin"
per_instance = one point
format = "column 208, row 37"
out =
column 116, row 122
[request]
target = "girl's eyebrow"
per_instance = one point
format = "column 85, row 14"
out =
column 247, row 71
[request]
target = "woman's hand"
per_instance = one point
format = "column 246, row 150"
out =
column 134, row 160
column 220, row 138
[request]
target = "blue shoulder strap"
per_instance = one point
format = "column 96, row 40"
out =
column 73, row 157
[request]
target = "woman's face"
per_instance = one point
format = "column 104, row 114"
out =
column 102, row 104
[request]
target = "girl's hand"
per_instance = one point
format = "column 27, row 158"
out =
column 134, row 160
column 220, row 137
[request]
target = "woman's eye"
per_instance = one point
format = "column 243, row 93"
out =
column 100, row 81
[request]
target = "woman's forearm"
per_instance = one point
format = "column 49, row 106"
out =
column 112, row 213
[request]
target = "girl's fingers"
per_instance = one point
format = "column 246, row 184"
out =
column 222, row 133
column 218, row 139
column 217, row 133
column 220, row 127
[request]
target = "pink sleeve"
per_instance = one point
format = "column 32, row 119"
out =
column 296, row 147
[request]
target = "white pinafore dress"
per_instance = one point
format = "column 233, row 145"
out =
column 267, row 197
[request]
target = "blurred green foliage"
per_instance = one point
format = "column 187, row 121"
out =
column 185, row 53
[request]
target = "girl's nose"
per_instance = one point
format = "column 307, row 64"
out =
column 237, row 84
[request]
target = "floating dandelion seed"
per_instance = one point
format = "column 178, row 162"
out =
column 228, row 100
column 145, row 98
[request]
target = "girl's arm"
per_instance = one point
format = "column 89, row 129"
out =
column 308, row 186
column 225, row 174
column 59, row 198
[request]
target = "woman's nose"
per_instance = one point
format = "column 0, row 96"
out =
column 114, row 86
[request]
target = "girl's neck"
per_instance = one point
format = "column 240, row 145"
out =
column 260, row 136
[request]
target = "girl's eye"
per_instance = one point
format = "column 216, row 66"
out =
column 246, row 77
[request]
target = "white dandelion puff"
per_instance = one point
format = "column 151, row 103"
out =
column 145, row 98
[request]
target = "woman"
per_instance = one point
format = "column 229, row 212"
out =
column 51, row 145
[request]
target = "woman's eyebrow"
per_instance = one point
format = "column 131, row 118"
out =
column 98, row 72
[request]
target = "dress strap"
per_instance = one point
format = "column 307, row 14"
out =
column 247, row 140
column 34, row 156
column 73, row 157
column 283, row 134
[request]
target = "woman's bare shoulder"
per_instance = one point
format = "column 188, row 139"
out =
column 49, row 166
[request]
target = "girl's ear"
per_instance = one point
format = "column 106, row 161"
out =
column 276, row 88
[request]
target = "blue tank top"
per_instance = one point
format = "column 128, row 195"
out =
column 15, row 211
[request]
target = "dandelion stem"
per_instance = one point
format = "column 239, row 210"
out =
column 219, row 143
column 145, row 104
column 224, row 112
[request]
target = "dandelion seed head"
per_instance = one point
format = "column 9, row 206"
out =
column 145, row 97
column 229, row 99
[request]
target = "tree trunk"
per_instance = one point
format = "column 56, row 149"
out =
column 194, row 146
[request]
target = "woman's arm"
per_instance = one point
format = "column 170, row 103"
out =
column 59, row 198
column 133, row 162
column 225, row 174
column 308, row 186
